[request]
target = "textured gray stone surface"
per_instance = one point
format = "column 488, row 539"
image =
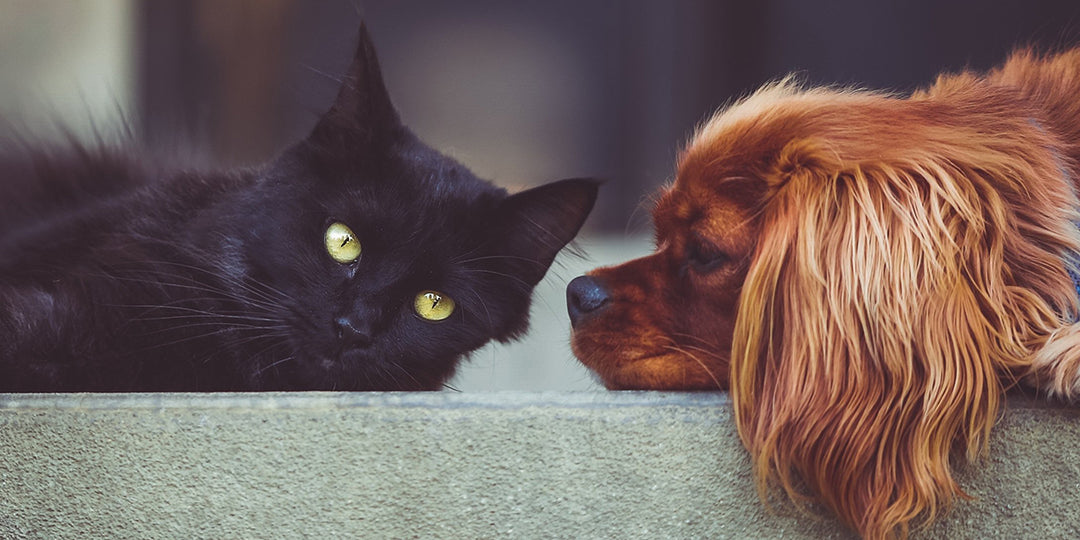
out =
column 445, row 465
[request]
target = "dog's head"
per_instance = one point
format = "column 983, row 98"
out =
column 861, row 271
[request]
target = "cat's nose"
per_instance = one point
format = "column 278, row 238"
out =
column 585, row 296
column 353, row 332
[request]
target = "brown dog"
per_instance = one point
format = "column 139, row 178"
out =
column 867, row 274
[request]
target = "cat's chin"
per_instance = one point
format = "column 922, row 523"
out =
column 347, row 357
column 352, row 370
column 350, row 363
column 333, row 363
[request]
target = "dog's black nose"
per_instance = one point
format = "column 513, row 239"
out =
column 584, row 297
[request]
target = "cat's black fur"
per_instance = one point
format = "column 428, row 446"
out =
column 115, row 276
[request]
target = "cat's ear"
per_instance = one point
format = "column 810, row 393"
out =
column 535, row 224
column 362, row 107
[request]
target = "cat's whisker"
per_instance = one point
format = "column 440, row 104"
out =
column 500, row 257
column 165, row 313
column 299, row 318
column 329, row 76
column 172, row 306
column 229, row 327
column 547, row 235
column 151, row 314
column 215, row 352
column 275, row 339
column 186, row 339
column 219, row 297
column 249, row 283
column 181, row 286
column 273, row 365
column 461, row 257
column 264, row 291
column 234, row 343
column 487, row 312
column 514, row 278
column 214, row 318
column 400, row 368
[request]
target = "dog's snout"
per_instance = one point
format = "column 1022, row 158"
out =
column 585, row 296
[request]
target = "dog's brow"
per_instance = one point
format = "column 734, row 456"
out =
column 677, row 205
column 663, row 201
column 703, row 241
column 671, row 215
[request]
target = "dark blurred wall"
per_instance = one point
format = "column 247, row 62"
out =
column 525, row 92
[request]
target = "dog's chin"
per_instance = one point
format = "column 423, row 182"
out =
column 665, row 371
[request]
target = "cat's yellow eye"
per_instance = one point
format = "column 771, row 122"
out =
column 433, row 306
column 341, row 243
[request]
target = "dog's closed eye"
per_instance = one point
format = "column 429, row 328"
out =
column 703, row 256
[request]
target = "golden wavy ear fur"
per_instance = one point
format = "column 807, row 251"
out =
column 912, row 263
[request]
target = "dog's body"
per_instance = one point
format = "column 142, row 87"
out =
column 867, row 274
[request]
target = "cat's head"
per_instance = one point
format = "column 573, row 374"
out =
column 386, row 260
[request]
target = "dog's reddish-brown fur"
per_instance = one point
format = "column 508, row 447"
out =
column 867, row 274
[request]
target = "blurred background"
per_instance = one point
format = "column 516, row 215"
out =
column 521, row 92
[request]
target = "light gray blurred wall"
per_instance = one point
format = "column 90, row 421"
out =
column 65, row 62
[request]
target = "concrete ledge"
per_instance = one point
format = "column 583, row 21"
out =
column 444, row 465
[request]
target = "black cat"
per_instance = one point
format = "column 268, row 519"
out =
column 359, row 259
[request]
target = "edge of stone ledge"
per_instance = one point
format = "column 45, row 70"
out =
column 442, row 400
column 345, row 400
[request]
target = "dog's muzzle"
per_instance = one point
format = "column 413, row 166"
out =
column 585, row 297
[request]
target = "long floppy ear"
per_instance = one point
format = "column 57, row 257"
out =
column 883, row 303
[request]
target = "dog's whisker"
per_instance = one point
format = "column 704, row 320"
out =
column 698, row 339
column 697, row 360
